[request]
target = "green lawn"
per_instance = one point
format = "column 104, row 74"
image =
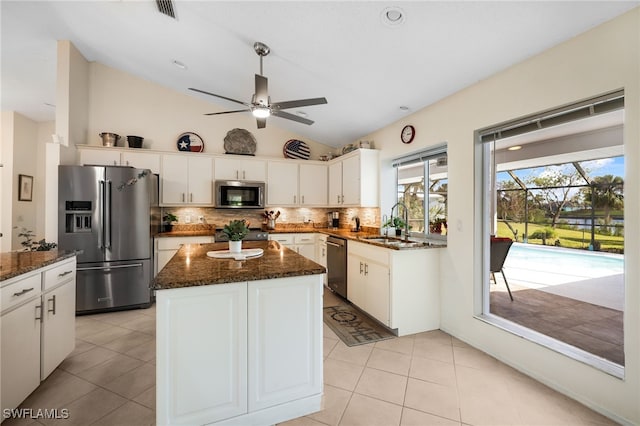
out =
column 568, row 237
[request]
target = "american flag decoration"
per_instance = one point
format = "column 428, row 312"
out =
column 294, row 148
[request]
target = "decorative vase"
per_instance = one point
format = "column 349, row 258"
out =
column 235, row 246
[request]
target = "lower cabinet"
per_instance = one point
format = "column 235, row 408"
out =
column 303, row 243
column 37, row 326
column 399, row 288
column 241, row 353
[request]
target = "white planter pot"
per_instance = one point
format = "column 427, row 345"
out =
column 235, row 246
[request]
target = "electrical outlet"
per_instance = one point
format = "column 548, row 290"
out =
column 200, row 219
column 187, row 219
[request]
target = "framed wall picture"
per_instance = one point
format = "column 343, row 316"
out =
column 25, row 188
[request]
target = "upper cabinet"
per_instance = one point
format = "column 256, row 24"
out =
column 354, row 179
column 187, row 179
column 100, row 156
column 290, row 183
column 229, row 168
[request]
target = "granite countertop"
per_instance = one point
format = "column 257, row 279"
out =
column 17, row 263
column 196, row 233
column 192, row 267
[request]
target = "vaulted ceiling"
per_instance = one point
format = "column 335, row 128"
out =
column 366, row 67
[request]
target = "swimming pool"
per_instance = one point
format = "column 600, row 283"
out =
column 564, row 261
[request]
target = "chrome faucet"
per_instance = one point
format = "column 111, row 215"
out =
column 406, row 218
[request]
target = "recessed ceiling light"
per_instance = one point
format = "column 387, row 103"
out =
column 404, row 108
column 179, row 64
column 514, row 148
column 301, row 113
column 392, row 16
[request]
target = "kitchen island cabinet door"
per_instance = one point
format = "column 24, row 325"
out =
column 202, row 354
column 285, row 344
column 20, row 352
column 59, row 325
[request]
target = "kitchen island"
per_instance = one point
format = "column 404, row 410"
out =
column 238, row 342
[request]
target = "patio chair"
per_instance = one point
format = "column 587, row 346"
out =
column 499, row 250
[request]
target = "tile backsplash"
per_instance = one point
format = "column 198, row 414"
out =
column 288, row 215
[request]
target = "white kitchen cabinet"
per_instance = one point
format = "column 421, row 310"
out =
column 239, row 353
column 321, row 253
column 187, row 180
column 37, row 326
column 282, row 183
column 59, row 310
column 111, row 156
column 397, row 287
column 202, row 353
column 303, row 244
column 229, row 168
column 285, row 353
column 166, row 247
column 141, row 160
column 100, row 157
column 354, row 179
column 313, row 183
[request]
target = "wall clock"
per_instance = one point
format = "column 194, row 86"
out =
column 408, row 133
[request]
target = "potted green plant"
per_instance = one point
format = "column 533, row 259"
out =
column 168, row 219
column 397, row 223
column 435, row 226
column 236, row 230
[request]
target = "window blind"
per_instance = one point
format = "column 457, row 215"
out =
column 421, row 156
column 599, row 105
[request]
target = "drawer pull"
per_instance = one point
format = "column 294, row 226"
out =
column 65, row 273
column 20, row 293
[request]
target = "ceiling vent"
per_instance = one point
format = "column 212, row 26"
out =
column 166, row 7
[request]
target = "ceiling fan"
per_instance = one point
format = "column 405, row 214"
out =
column 260, row 105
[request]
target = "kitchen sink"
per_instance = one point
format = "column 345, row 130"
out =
column 396, row 242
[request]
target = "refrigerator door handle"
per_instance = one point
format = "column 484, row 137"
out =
column 107, row 217
column 101, row 210
column 108, row 268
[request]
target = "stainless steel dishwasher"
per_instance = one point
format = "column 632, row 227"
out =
column 337, row 265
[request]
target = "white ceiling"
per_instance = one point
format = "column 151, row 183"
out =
column 340, row 50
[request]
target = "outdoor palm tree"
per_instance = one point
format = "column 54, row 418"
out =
column 606, row 192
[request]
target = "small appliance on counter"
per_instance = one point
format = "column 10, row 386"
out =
column 335, row 220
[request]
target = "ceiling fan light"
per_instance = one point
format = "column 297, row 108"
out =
column 261, row 112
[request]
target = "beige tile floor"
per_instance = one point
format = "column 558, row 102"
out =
column 424, row 379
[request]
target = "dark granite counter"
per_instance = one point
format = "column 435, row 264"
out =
column 17, row 263
column 192, row 267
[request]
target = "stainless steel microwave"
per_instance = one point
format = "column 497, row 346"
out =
column 235, row 194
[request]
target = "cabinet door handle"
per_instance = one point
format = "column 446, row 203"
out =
column 294, row 199
column 243, row 175
column 323, row 252
column 127, row 163
column 20, row 293
column 303, row 199
column 191, row 197
column 360, row 268
column 366, row 269
column 237, row 174
column 53, row 299
column 39, row 317
column 115, row 163
column 65, row 273
column 342, row 199
column 338, row 201
column 183, row 197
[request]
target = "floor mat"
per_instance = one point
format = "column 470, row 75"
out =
column 353, row 327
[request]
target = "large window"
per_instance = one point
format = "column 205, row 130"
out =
column 554, row 223
column 422, row 182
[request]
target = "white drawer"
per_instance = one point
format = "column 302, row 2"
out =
column 282, row 238
column 370, row 252
column 21, row 291
column 174, row 243
column 304, row 238
column 59, row 273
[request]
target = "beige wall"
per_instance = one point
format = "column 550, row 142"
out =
column 603, row 59
column 123, row 104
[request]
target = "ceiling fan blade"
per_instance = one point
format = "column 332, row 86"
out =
column 220, row 96
column 262, row 122
column 298, row 103
column 262, row 94
column 227, row 112
column 288, row 116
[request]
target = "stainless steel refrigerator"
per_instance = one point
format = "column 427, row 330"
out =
column 109, row 214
